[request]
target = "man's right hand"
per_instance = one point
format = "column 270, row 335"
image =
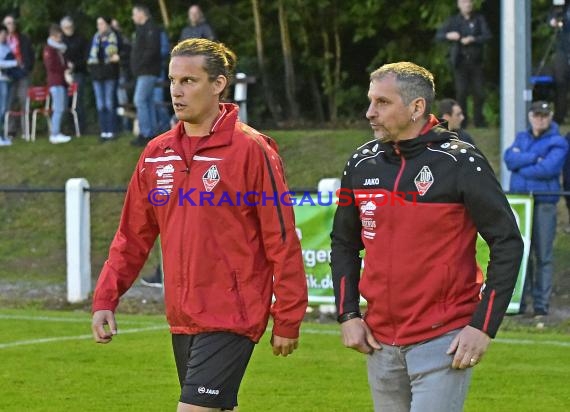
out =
column 453, row 36
column 357, row 335
column 100, row 319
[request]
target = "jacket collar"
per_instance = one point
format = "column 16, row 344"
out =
column 432, row 132
column 220, row 134
column 553, row 129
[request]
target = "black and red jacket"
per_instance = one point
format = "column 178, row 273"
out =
column 415, row 207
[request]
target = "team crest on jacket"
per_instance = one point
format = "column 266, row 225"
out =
column 424, row 180
column 211, row 178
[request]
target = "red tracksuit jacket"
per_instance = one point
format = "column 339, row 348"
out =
column 416, row 206
column 227, row 244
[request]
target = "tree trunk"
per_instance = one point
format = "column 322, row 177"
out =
column 332, row 69
column 308, row 63
column 267, row 91
column 336, row 76
column 327, row 75
column 288, row 62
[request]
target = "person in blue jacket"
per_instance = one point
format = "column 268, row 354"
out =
column 535, row 160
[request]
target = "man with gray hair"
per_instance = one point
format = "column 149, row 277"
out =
column 76, row 53
column 144, row 60
column 197, row 27
column 414, row 199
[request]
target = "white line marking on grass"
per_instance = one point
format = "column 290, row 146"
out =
column 79, row 337
column 71, row 320
column 498, row 340
column 321, row 331
column 532, row 342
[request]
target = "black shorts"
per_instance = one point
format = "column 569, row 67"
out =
column 210, row 367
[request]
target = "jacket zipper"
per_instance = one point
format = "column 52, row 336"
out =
column 395, row 189
column 179, row 287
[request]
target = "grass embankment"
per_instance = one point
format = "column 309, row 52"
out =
column 32, row 234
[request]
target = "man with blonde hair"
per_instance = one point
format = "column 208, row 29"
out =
column 224, row 255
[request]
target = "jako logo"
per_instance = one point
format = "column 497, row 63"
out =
column 371, row 181
column 202, row 390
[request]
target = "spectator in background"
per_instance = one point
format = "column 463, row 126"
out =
column 559, row 19
column 450, row 111
column 535, row 160
column 145, row 65
column 22, row 48
column 466, row 34
column 161, row 105
column 197, row 27
column 7, row 61
column 76, row 53
column 103, row 64
column 56, row 65
column 125, row 86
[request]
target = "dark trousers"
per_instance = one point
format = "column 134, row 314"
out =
column 469, row 80
column 561, row 74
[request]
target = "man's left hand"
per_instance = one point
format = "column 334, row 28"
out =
column 283, row 346
column 469, row 347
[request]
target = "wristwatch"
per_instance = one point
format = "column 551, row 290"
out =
column 347, row 316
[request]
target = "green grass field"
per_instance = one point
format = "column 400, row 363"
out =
column 50, row 363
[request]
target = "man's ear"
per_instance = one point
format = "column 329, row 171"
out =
column 219, row 84
column 418, row 107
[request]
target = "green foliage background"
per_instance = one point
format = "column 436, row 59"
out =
column 372, row 32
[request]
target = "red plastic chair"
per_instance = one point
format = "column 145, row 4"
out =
column 39, row 95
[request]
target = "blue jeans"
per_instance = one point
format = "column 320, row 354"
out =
column 162, row 117
column 105, row 91
column 4, row 96
column 144, row 102
column 538, row 281
column 17, row 101
column 58, row 106
column 417, row 378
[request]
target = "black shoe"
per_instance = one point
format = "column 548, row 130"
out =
column 154, row 280
column 140, row 141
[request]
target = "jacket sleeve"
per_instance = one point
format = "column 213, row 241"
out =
column 442, row 31
column 209, row 32
column 131, row 245
column 150, row 47
column 346, row 245
column 494, row 219
column 515, row 157
column 28, row 55
column 50, row 62
column 485, row 34
column 281, row 243
column 550, row 165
